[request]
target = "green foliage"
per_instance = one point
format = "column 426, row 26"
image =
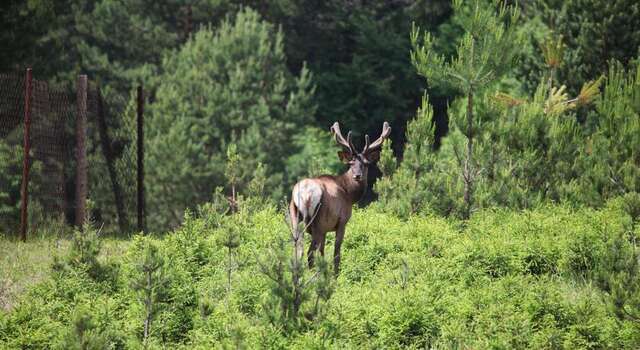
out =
column 487, row 51
column 549, row 277
column 317, row 155
column 83, row 256
column 610, row 163
column 618, row 273
column 225, row 86
column 151, row 284
column 84, row 334
column 298, row 299
column 589, row 41
column 528, row 151
column 387, row 162
column 412, row 187
column 10, row 181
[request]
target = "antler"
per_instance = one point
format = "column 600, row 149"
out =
column 337, row 134
column 386, row 130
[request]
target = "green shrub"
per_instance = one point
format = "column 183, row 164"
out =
column 552, row 277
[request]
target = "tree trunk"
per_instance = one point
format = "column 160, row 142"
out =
column 24, row 187
column 110, row 159
column 142, row 211
column 468, row 163
column 148, row 305
column 81, row 152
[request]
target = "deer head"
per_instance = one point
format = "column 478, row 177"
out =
column 359, row 161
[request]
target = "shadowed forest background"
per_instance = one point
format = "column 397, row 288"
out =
column 503, row 212
column 269, row 78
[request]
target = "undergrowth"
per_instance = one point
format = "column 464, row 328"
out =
column 552, row 277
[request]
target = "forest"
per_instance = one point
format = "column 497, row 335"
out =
column 502, row 211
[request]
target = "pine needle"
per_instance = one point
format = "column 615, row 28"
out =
column 507, row 100
column 558, row 101
column 553, row 51
column 589, row 91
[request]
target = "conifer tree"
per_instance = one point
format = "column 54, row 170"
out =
column 151, row 284
column 232, row 173
column 610, row 159
column 594, row 33
column 486, row 51
column 84, row 333
column 225, row 85
column 407, row 189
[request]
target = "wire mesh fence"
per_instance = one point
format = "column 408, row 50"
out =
column 11, row 148
column 81, row 145
column 111, row 146
column 50, row 154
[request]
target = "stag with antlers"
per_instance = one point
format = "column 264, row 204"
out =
column 324, row 202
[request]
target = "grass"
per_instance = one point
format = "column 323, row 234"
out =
column 25, row 264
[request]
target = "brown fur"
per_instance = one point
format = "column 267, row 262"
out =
column 337, row 196
column 339, row 193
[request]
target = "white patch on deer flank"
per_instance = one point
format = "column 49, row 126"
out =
column 306, row 196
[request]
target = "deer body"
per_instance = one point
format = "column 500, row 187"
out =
column 324, row 203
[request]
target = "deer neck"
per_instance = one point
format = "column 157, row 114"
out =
column 354, row 189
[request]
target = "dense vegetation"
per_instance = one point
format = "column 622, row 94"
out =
column 508, row 206
column 551, row 278
column 271, row 77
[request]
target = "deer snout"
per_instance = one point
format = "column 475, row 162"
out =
column 357, row 177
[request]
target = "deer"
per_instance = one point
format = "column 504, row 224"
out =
column 324, row 202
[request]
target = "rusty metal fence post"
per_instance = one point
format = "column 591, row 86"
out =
column 24, row 188
column 81, row 150
column 140, row 161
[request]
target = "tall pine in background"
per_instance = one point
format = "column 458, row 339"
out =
column 594, row 32
column 486, row 51
column 223, row 86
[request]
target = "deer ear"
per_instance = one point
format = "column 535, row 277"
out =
column 344, row 156
column 373, row 156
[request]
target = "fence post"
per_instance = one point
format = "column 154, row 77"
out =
column 81, row 150
column 140, row 165
column 24, row 188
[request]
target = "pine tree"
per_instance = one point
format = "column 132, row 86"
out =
column 610, row 159
column 151, row 283
column 406, row 189
column 316, row 155
column 232, row 174
column 223, row 86
column 618, row 272
column 594, row 33
column 486, row 51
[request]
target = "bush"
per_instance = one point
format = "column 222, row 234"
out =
column 552, row 277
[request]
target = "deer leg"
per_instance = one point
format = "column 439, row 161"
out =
column 317, row 242
column 336, row 251
column 322, row 242
column 312, row 249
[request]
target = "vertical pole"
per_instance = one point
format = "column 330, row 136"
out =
column 140, row 149
column 24, row 188
column 81, row 150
